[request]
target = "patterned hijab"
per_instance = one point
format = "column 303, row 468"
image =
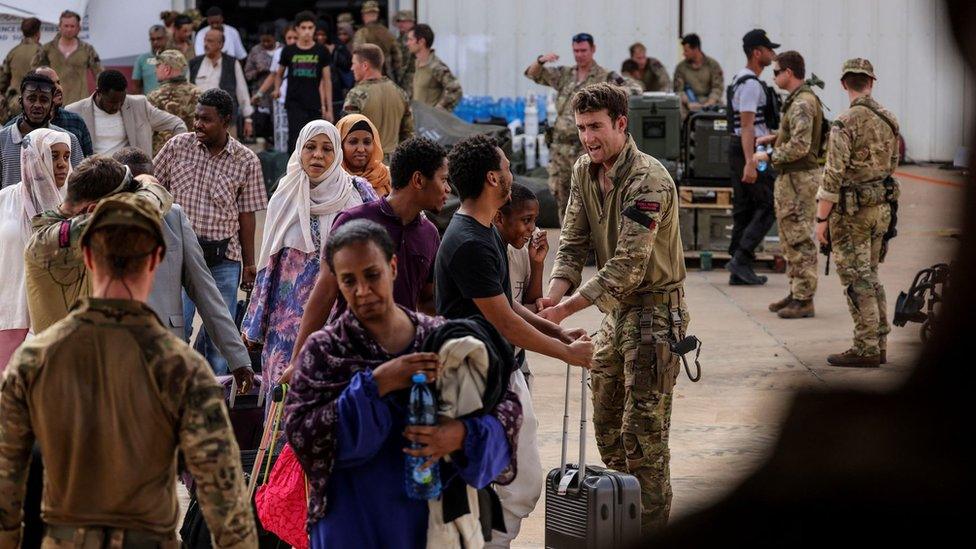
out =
column 290, row 210
column 375, row 171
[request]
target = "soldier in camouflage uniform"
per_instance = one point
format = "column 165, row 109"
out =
column 375, row 32
column 405, row 21
column 627, row 213
column 563, row 140
column 653, row 75
column 175, row 94
column 854, row 202
column 376, row 97
column 699, row 73
column 74, row 68
column 796, row 151
column 54, row 271
column 431, row 81
column 110, row 450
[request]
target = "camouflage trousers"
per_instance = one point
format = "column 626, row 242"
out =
column 98, row 538
column 795, row 201
column 632, row 419
column 562, row 157
column 856, row 240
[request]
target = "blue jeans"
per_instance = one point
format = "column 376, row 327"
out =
column 227, row 275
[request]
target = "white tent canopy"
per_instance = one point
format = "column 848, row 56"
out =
column 47, row 11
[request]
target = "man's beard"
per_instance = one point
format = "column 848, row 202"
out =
column 42, row 124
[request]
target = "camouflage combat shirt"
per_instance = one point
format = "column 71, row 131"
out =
column 175, row 96
column 433, row 84
column 633, row 230
column 862, row 148
column 563, row 80
column 110, row 394
column 387, row 107
column 54, row 266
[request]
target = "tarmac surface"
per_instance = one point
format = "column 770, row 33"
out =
column 752, row 361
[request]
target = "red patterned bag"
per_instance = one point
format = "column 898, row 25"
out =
column 282, row 501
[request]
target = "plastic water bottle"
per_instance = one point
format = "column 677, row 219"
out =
column 531, row 117
column 421, row 483
column 692, row 96
column 763, row 164
column 513, row 127
column 551, row 113
column 530, row 147
column 543, row 150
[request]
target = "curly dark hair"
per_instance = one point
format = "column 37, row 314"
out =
column 469, row 162
column 218, row 99
column 112, row 80
column 417, row 154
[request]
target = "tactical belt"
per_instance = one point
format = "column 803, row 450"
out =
column 112, row 538
column 675, row 343
column 854, row 196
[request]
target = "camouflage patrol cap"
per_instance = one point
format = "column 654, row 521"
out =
column 404, row 15
column 858, row 65
column 371, row 5
column 345, row 17
column 171, row 58
column 126, row 210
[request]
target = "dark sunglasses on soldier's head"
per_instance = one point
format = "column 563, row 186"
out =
column 32, row 87
column 583, row 37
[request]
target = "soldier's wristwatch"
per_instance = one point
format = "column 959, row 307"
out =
column 822, row 219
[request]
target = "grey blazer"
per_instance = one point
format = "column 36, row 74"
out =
column 139, row 117
column 183, row 267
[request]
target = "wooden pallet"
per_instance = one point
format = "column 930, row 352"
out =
column 706, row 197
column 772, row 262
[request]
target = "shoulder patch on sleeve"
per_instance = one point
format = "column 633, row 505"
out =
column 637, row 216
column 64, row 234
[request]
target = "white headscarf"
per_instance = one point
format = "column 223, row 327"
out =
column 35, row 193
column 288, row 221
column 40, row 192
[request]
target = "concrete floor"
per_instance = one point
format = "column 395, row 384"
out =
column 752, row 361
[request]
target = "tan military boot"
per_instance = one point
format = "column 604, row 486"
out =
column 797, row 309
column 851, row 359
column 781, row 304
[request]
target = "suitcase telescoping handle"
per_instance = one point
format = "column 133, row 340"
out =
column 566, row 479
column 233, row 395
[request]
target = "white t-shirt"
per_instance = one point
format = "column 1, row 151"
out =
column 519, row 271
column 749, row 97
column 275, row 63
column 109, row 132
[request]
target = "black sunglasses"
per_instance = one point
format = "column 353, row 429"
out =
column 583, row 37
column 777, row 71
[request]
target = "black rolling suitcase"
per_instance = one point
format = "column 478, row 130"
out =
column 599, row 508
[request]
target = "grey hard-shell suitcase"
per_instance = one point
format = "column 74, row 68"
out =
column 600, row 508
